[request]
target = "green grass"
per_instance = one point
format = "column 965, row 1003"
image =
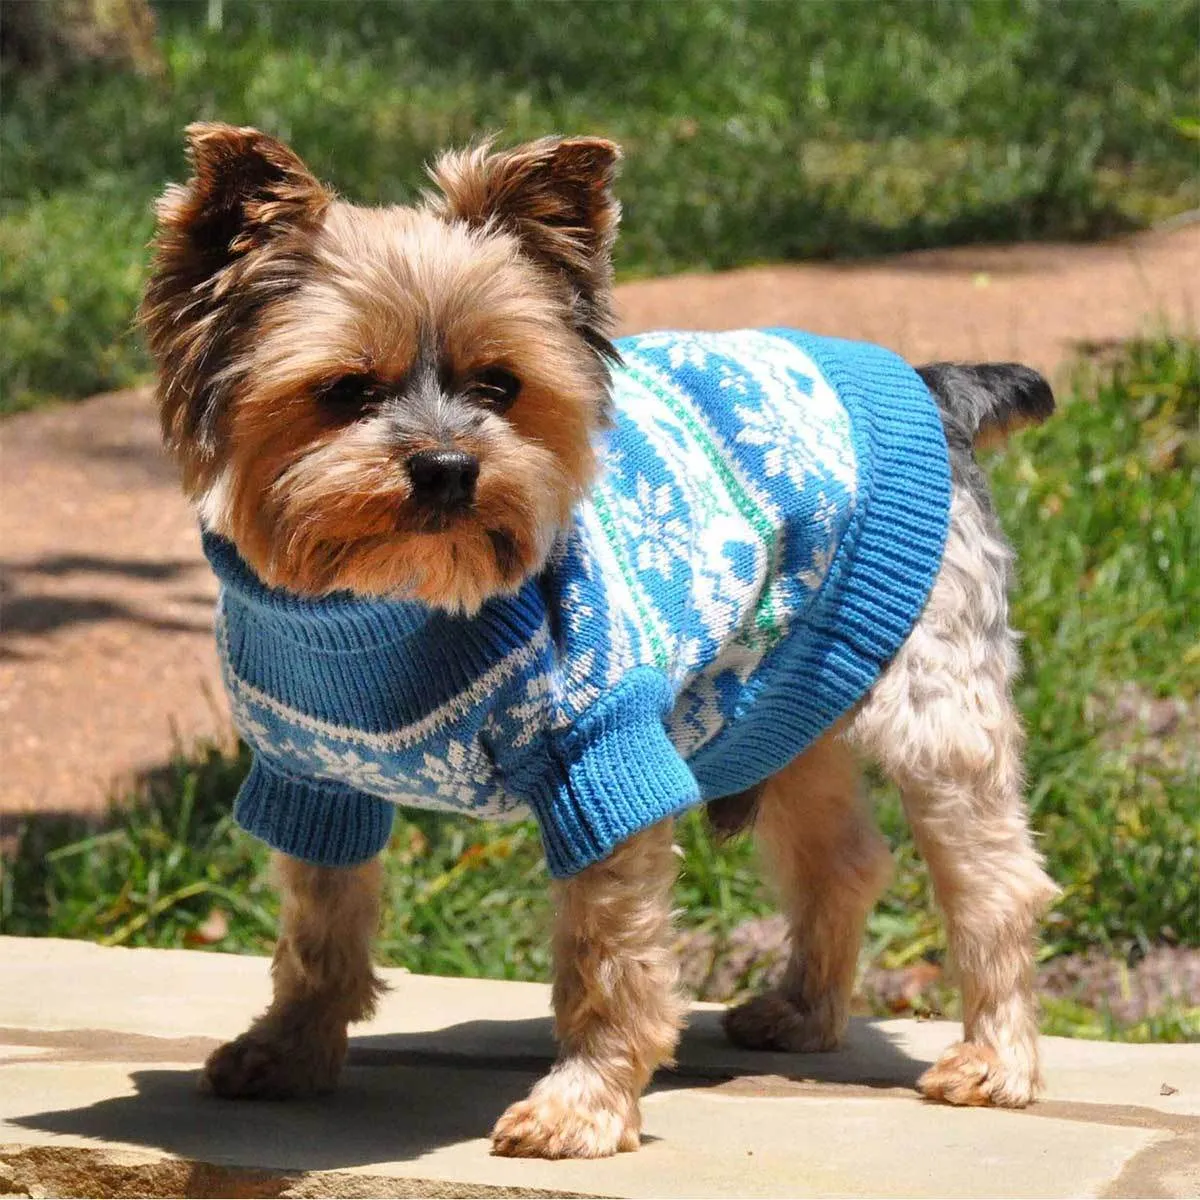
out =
column 1107, row 504
column 754, row 131
column 1065, row 1018
column 1103, row 504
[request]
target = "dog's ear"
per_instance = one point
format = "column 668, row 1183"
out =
column 208, row 279
column 556, row 196
column 246, row 188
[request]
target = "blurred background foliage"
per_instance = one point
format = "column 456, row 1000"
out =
column 753, row 130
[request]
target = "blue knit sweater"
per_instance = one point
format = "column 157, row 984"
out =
column 768, row 522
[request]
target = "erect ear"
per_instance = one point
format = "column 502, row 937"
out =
column 208, row 280
column 555, row 195
column 246, row 188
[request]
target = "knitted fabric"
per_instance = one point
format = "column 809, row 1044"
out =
column 768, row 522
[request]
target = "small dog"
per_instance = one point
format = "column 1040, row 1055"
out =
column 392, row 423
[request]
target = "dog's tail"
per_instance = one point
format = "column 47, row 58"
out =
column 986, row 403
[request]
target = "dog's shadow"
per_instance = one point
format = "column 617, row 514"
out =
column 404, row 1096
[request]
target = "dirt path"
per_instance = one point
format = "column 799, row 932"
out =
column 105, row 638
column 1038, row 304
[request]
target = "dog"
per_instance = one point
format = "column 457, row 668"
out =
column 393, row 422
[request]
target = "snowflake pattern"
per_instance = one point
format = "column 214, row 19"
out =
column 728, row 484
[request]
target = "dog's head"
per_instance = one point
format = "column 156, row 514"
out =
column 396, row 401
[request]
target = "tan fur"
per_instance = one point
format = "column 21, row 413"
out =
column 555, row 195
column 830, row 863
column 323, row 981
column 617, row 1009
column 994, row 437
column 266, row 290
column 229, row 243
column 942, row 723
column 267, row 296
column 336, row 496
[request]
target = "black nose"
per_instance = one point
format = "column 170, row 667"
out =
column 445, row 478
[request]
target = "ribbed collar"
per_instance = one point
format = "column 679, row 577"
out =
column 342, row 619
column 285, row 609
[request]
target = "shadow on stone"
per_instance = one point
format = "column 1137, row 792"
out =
column 439, row 1088
column 29, row 610
column 375, row 1117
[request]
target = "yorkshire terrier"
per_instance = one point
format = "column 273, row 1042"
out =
column 476, row 555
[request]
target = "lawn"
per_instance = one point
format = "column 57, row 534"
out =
column 1103, row 504
column 754, row 131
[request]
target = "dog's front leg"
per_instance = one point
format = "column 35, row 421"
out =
column 323, row 981
column 617, row 1010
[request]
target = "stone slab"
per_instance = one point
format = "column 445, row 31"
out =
column 179, row 994
column 99, row 1051
column 424, row 1122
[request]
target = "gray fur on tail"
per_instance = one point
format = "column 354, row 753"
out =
column 988, row 397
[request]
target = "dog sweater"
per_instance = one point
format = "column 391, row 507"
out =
column 768, row 521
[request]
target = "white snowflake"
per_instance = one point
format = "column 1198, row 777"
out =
column 688, row 653
column 731, row 380
column 578, row 686
column 576, row 608
column 454, row 777
column 622, row 653
column 682, row 349
column 814, row 575
column 802, row 439
column 531, row 714
column 651, row 518
column 689, row 352
column 696, row 717
column 366, row 774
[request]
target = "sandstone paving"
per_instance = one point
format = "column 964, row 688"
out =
column 100, row 1049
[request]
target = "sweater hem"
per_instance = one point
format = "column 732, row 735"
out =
column 897, row 552
column 327, row 824
column 880, row 579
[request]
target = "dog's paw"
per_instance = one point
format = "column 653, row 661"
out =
column 559, row 1120
column 773, row 1022
column 972, row 1074
column 264, row 1064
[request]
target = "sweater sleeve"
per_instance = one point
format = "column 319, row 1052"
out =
column 611, row 774
column 329, row 824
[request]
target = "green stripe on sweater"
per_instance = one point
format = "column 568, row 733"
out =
column 766, row 619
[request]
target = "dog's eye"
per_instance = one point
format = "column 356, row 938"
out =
column 350, row 396
column 495, row 387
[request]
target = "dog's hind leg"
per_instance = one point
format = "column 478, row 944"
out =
column 617, row 1008
column 829, row 863
column 323, row 981
column 941, row 721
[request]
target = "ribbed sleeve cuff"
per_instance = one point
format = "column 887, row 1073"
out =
column 322, row 823
column 612, row 775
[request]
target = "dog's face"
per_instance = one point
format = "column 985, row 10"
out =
column 396, row 401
